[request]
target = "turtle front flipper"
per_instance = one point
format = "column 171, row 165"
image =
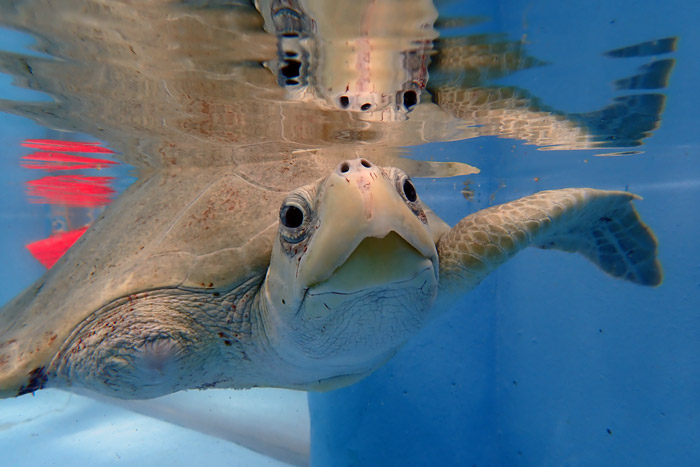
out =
column 601, row 225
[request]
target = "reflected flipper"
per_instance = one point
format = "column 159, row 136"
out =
column 473, row 59
column 463, row 67
column 645, row 49
column 624, row 123
column 513, row 113
column 654, row 75
column 601, row 225
column 510, row 112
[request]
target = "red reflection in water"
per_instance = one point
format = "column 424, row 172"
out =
column 61, row 161
column 49, row 250
column 71, row 194
column 71, row 190
column 65, row 146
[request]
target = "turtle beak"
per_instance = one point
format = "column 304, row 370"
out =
column 368, row 234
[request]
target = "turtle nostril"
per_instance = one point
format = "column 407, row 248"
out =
column 410, row 99
column 291, row 68
column 344, row 102
column 366, row 106
column 344, row 167
column 365, row 163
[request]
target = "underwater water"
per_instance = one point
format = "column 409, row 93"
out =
column 547, row 362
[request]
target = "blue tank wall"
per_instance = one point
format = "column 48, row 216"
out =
column 549, row 361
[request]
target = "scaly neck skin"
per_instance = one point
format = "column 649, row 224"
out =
column 287, row 350
column 333, row 339
column 161, row 341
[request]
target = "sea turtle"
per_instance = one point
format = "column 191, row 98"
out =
column 214, row 269
column 232, row 285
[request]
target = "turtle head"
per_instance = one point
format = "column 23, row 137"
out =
column 353, row 273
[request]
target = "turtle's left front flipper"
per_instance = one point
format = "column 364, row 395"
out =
column 601, row 225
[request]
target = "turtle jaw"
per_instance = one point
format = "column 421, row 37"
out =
column 387, row 260
column 379, row 273
column 354, row 321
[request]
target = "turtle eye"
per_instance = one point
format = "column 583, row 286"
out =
column 295, row 217
column 405, row 187
column 409, row 191
column 291, row 216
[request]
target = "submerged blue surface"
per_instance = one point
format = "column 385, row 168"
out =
column 549, row 361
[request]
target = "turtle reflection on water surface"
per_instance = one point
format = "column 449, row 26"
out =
column 385, row 61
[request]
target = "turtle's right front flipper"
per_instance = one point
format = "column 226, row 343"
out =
column 601, row 225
